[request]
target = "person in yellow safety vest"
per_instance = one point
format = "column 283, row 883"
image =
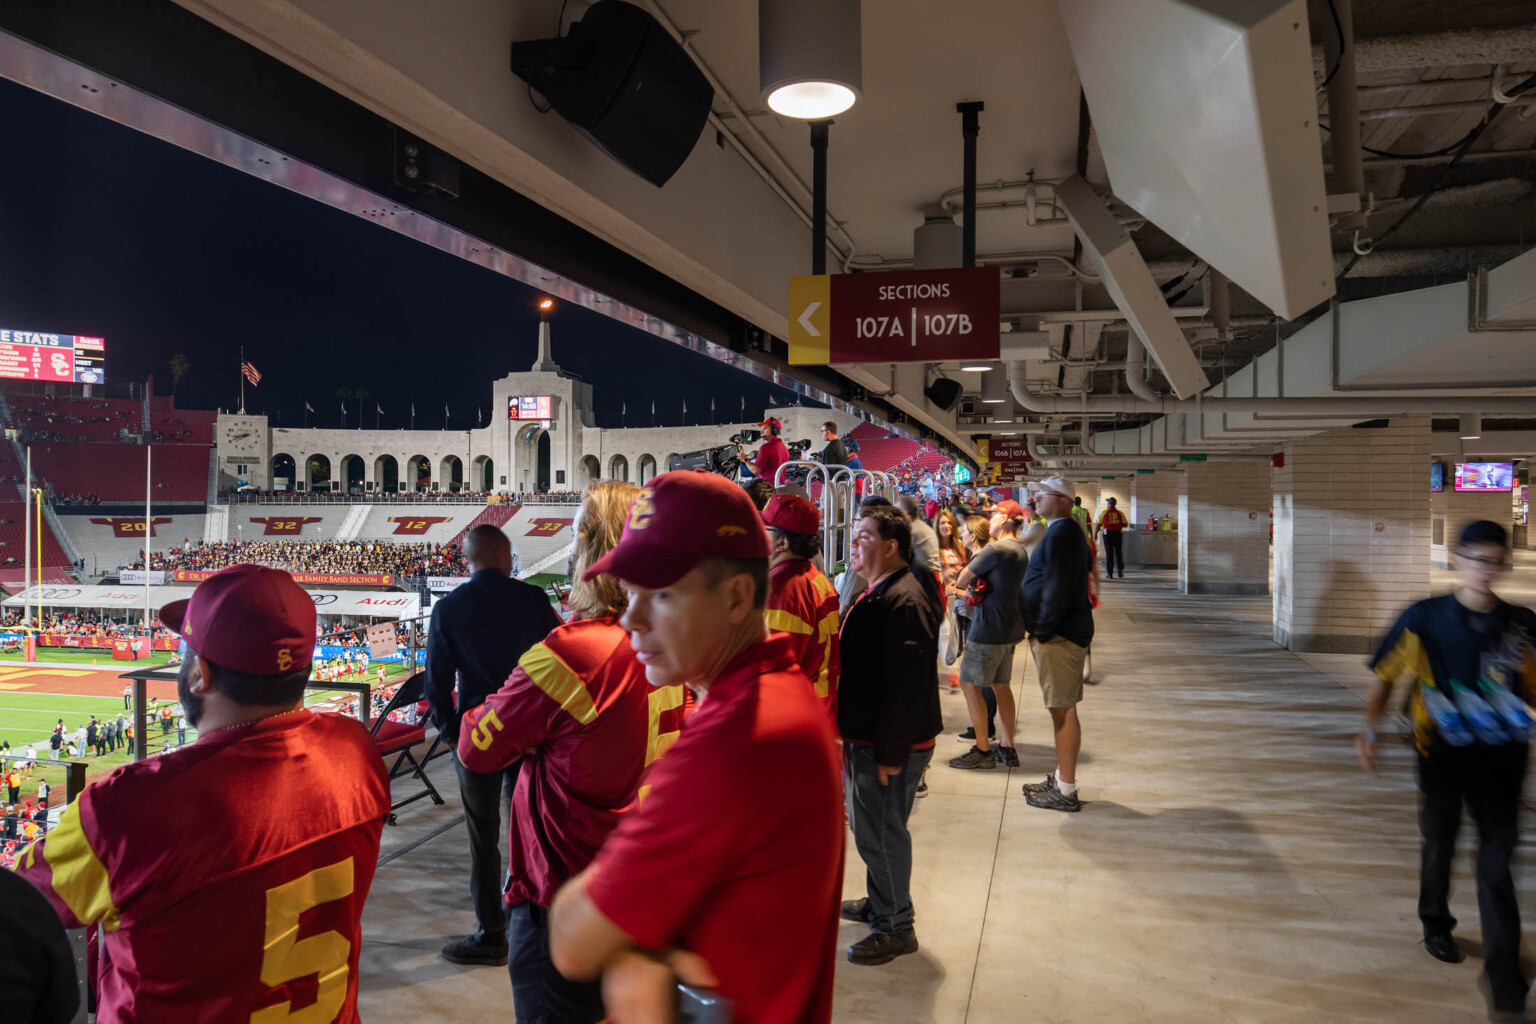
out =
column 1081, row 515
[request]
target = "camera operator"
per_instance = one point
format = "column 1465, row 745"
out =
column 772, row 454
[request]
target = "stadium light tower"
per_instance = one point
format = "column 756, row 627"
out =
column 545, row 305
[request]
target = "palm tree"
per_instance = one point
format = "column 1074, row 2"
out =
column 179, row 368
column 359, row 393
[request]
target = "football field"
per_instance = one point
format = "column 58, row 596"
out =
column 34, row 698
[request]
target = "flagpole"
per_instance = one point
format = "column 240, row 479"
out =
column 148, row 517
column 242, row 386
column 26, row 545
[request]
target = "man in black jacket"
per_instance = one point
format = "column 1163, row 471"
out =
column 834, row 454
column 478, row 633
column 888, row 714
column 1059, row 616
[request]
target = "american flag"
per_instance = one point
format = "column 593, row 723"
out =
column 251, row 373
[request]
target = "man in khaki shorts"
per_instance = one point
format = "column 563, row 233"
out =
column 1057, row 612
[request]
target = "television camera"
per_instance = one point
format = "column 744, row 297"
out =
column 727, row 459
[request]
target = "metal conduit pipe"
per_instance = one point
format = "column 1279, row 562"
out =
column 1342, row 407
column 1135, row 369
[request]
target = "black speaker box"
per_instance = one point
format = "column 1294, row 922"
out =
column 943, row 393
column 621, row 79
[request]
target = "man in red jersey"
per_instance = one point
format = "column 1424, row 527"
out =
column 215, row 901
column 801, row 600
column 729, row 871
column 772, row 454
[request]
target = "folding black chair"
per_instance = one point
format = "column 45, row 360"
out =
column 390, row 737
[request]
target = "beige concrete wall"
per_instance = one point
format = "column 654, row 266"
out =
column 1351, row 535
column 1156, row 494
column 1459, row 509
column 1224, row 528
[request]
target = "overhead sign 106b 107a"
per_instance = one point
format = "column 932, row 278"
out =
column 908, row 316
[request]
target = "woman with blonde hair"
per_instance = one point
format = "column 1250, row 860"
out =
column 977, row 532
column 952, row 559
column 580, row 713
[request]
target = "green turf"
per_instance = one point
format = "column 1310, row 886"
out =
column 28, row 716
column 86, row 656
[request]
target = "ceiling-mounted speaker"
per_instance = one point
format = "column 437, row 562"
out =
column 943, row 393
column 621, row 79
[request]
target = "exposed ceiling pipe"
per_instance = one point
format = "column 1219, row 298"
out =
column 1457, row 107
column 1136, row 368
column 1344, row 122
column 1321, row 408
column 1505, row 44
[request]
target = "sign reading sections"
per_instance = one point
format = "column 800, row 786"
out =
column 906, row 316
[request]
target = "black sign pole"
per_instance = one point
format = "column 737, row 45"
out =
column 970, row 127
column 819, row 196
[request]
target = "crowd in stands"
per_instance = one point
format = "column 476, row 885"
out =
column 82, row 624
column 77, row 499
column 321, row 497
column 420, row 559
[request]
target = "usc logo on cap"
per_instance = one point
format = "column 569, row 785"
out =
column 728, row 531
column 284, row 659
column 642, row 511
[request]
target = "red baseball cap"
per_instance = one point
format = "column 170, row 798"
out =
column 248, row 618
column 792, row 513
column 678, row 520
column 1009, row 508
column 772, row 421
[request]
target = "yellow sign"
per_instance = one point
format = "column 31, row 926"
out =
column 810, row 319
column 983, row 449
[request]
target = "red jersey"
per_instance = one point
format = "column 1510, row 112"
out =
column 803, row 603
column 770, row 457
column 736, row 853
column 228, row 877
column 580, row 702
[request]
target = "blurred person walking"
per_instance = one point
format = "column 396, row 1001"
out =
column 888, row 716
column 728, row 871
column 581, row 708
column 477, row 635
column 1111, row 525
column 1058, row 613
column 194, row 864
column 1468, row 660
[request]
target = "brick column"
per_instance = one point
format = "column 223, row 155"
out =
column 1224, row 528
column 1351, row 535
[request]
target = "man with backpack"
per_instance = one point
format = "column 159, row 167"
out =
column 1471, row 667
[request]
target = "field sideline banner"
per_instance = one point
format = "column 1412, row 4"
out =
column 318, row 579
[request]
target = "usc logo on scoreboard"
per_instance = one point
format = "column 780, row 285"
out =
column 125, row 526
column 415, row 526
column 547, row 527
column 284, row 526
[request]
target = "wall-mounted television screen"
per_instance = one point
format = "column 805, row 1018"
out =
column 1437, row 477
column 1485, row 476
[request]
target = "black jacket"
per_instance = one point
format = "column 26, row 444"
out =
column 888, row 696
column 1054, row 594
column 834, row 454
column 478, row 633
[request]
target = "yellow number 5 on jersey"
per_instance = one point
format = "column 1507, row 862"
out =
column 288, row 957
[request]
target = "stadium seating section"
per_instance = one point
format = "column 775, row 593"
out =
column 13, row 539
column 180, row 426
column 879, row 449
column 87, row 419
column 538, row 531
column 115, row 472
column 103, row 551
column 405, row 523
column 495, row 515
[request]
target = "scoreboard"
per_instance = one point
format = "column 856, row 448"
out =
column 71, row 358
column 530, row 407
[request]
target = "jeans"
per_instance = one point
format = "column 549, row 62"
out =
column 1114, row 552
column 878, row 816
column 541, row 994
column 1488, row 780
column 483, row 794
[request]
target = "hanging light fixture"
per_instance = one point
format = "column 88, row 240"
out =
column 1471, row 426
column 994, row 388
column 810, row 57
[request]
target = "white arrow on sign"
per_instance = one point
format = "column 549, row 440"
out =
column 805, row 319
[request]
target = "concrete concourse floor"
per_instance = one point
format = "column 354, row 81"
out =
column 1231, row 863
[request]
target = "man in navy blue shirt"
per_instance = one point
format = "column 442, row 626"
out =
column 478, row 633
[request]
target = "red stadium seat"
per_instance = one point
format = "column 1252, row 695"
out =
column 398, row 738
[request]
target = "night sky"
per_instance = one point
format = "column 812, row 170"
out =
column 108, row 232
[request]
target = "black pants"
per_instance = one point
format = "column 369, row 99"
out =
column 1488, row 781
column 1114, row 552
column 483, row 794
column 541, row 994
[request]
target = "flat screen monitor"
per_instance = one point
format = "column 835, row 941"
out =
column 1485, row 476
column 1436, row 477
column 530, row 407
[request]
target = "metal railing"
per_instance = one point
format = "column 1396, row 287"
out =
column 838, row 500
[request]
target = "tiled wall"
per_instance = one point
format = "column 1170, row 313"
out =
column 1224, row 528
column 1351, row 535
column 1156, row 493
column 1461, row 508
